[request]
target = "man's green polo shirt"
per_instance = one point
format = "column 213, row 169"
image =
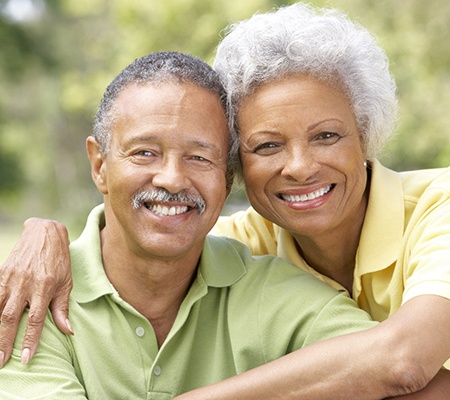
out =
column 240, row 312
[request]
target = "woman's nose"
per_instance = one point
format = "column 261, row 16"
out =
column 300, row 164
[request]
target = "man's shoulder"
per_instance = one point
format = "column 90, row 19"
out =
column 250, row 228
column 284, row 306
column 265, row 272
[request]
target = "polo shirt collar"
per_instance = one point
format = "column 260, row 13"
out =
column 220, row 264
column 382, row 231
column 89, row 278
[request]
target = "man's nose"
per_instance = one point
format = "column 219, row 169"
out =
column 171, row 175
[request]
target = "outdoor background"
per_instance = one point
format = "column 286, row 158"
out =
column 57, row 57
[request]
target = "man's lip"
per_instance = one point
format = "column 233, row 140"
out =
column 168, row 209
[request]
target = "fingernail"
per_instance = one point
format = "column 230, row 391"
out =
column 2, row 359
column 69, row 326
column 25, row 357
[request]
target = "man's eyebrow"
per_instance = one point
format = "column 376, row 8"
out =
column 193, row 143
column 205, row 145
column 140, row 138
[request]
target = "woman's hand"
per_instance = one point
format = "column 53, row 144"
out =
column 36, row 274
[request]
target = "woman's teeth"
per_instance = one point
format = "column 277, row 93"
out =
column 306, row 197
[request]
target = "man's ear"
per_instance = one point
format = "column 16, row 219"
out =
column 98, row 164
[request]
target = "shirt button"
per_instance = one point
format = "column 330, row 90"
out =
column 157, row 370
column 140, row 331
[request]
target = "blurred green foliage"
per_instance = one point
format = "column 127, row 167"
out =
column 57, row 56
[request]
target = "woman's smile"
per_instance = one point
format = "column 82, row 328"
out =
column 302, row 155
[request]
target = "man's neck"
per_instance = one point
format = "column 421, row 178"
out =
column 154, row 287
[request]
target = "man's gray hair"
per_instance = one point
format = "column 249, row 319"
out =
column 324, row 43
column 154, row 68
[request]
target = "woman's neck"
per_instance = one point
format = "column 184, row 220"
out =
column 333, row 253
column 332, row 258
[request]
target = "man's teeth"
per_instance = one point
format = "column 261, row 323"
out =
column 306, row 197
column 164, row 210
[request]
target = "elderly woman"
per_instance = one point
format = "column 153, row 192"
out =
column 313, row 103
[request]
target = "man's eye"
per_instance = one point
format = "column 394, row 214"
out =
column 199, row 158
column 144, row 153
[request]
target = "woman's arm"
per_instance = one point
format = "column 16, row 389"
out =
column 437, row 389
column 36, row 274
column 400, row 356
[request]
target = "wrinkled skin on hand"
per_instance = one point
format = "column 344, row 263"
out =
column 35, row 275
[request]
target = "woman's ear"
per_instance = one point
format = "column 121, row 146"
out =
column 98, row 165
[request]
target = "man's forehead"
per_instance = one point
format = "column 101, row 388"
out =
column 152, row 112
column 167, row 84
column 169, row 91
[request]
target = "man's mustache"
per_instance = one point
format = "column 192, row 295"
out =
column 164, row 196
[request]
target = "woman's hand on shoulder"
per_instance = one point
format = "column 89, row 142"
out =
column 36, row 275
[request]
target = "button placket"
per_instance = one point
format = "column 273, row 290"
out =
column 140, row 331
column 157, row 370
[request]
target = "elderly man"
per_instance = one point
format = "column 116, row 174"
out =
column 159, row 307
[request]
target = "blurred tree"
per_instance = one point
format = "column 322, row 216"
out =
column 57, row 56
column 416, row 40
column 11, row 175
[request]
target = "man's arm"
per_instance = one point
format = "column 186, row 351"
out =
column 397, row 357
column 36, row 274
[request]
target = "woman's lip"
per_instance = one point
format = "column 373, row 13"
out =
column 299, row 196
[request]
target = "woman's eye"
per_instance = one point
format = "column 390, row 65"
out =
column 329, row 137
column 265, row 148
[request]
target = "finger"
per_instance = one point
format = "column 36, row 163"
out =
column 35, row 323
column 60, row 307
column 4, row 294
column 9, row 323
column 39, row 304
column 60, row 314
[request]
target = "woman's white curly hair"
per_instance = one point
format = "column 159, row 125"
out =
column 323, row 43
